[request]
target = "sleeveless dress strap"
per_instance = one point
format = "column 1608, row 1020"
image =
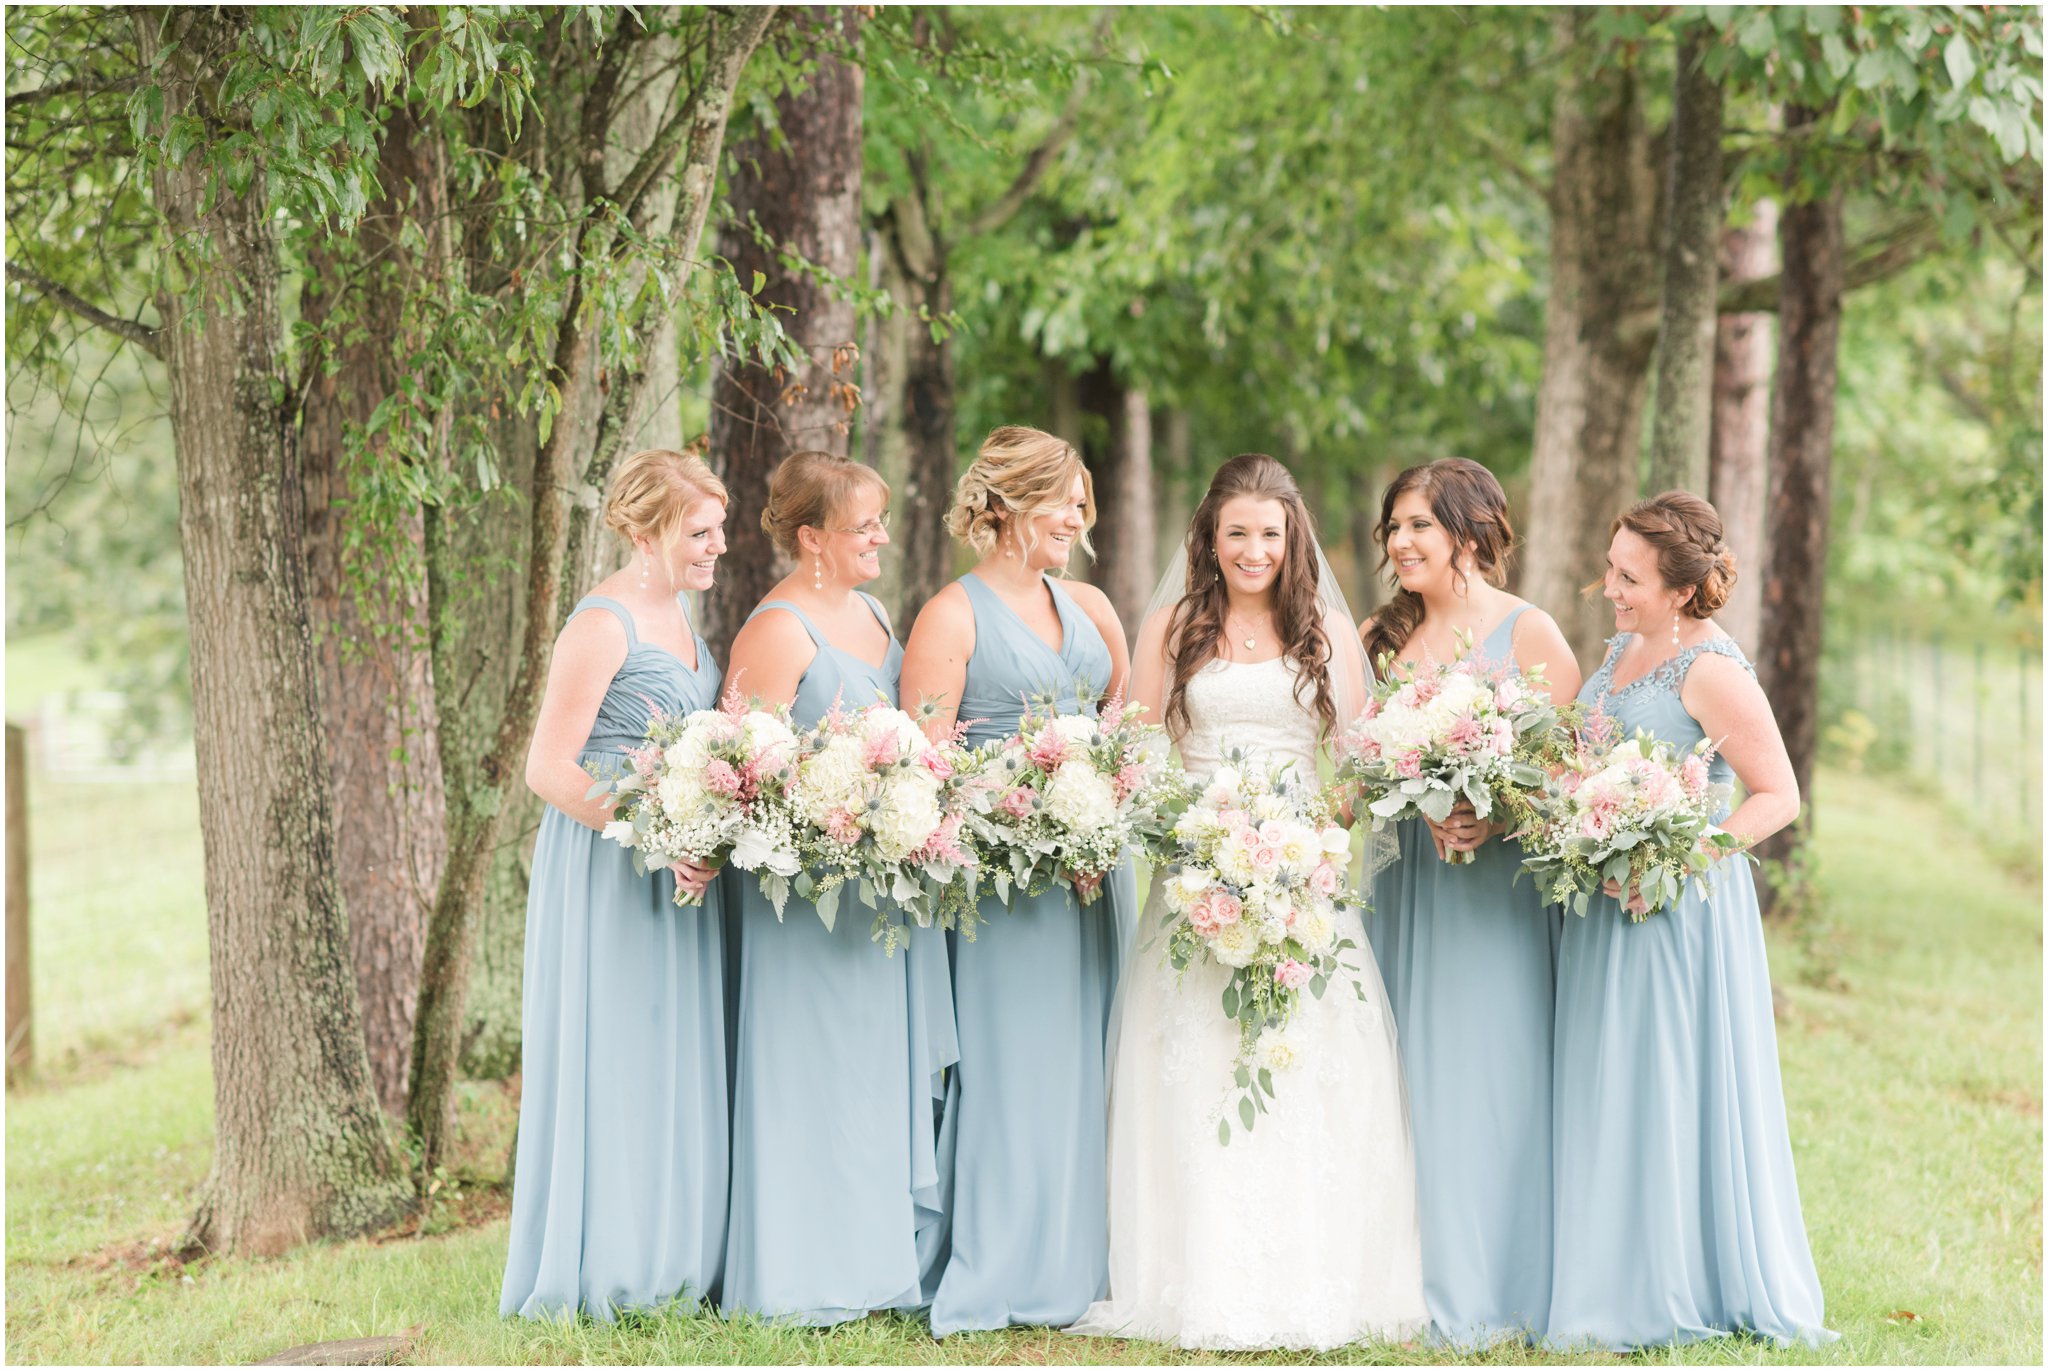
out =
column 618, row 610
column 881, row 615
column 1720, row 646
column 802, row 618
column 1505, row 628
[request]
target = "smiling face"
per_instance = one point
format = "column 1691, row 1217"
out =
column 1634, row 586
column 1418, row 549
column 1050, row 537
column 851, row 549
column 691, row 553
column 1251, row 542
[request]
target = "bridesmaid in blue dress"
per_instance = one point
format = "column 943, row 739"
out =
column 840, row 1049
column 618, row 1198
column 1026, row 1114
column 1677, row 1210
column 1468, row 953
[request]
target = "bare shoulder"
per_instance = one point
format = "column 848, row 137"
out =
column 1365, row 629
column 772, row 630
column 949, row 611
column 593, row 633
column 1093, row 602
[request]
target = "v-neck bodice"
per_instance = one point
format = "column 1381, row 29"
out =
column 651, row 679
column 1013, row 667
column 836, row 675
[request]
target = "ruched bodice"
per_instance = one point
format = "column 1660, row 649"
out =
column 1231, row 705
column 650, row 678
column 1012, row 667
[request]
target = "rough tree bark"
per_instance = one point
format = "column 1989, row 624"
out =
column 477, row 777
column 300, row 1150
column 1118, row 450
column 795, row 190
column 1685, row 340
column 376, row 678
column 1738, row 478
column 1589, row 407
column 1801, row 451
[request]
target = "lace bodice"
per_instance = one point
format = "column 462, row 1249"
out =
column 1250, row 705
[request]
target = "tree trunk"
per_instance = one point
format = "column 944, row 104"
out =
column 477, row 774
column 1742, row 422
column 885, row 343
column 797, row 187
column 369, row 613
column 300, row 1150
column 1685, row 339
column 1802, row 448
column 1118, row 450
column 1589, row 406
column 931, row 443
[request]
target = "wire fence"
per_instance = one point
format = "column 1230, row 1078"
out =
column 1957, row 712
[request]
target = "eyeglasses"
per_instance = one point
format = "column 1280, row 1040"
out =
column 872, row 528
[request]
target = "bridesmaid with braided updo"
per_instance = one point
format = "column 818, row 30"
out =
column 1025, row 1112
column 1677, row 1210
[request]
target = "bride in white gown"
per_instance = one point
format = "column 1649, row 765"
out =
column 1301, row 1232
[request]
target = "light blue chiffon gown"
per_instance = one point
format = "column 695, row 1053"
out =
column 1469, row 956
column 618, row 1197
column 1677, row 1210
column 838, row 1067
column 1026, row 1117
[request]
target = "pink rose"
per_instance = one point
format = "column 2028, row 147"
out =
column 1203, row 914
column 1427, row 689
column 1466, row 733
column 1409, row 765
column 935, row 762
column 1273, row 833
column 721, row 779
column 1017, row 804
column 1229, row 909
column 1324, row 880
column 1265, row 859
column 1508, row 694
column 1692, row 774
column 1503, row 737
column 1372, row 708
column 943, row 845
column 1292, row 975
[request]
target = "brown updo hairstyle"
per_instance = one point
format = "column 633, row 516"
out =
column 654, row 488
column 1685, row 532
column 811, row 489
column 1472, row 510
column 1020, row 474
column 1196, row 624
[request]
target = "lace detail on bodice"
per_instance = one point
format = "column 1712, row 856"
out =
column 1669, row 674
column 1248, row 705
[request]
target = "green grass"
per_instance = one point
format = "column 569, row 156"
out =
column 1912, row 1057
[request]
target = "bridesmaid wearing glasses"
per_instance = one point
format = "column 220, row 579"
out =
column 1677, row 1210
column 618, row 1200
column 835, row 1184
column 1026, row 1124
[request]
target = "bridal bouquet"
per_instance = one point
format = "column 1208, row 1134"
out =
column 1638, row 812
column 1254, row 879
column 1068, row 793
column 710, row 787
column 883, row 809
column 1472, row 731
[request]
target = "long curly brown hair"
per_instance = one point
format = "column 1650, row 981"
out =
column 1196, row 624
column 1472, row 510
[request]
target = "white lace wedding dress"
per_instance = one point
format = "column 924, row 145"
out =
column 1302, row 1232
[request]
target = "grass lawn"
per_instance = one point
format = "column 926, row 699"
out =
column 1911, row 1045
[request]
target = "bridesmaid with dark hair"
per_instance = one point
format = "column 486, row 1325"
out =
column 838, row 1049
column 1468, row 952
column 1025, row 1126
column 618, row 1200
column 1677, row 1209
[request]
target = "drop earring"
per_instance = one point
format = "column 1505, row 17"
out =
column 817, row 574
column 646, row 568
column 1675, row 644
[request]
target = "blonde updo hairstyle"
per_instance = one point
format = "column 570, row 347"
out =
column 653, row 489
column 1020, row 474
column 813, row 489
column 1685, row 532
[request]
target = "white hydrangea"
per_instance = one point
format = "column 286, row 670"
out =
column 681, row 794
column 909, row 814
column 1235, row 944
column 764, row 732
column 910, row 739
column 1075, row 728
column 1080, row 798
column 831, row 778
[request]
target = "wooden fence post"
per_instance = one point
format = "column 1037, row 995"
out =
column 20, row 1039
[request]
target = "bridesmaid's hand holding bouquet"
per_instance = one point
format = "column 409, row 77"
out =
column 1468, row 731
column 1636, row 813
column 706, row 788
